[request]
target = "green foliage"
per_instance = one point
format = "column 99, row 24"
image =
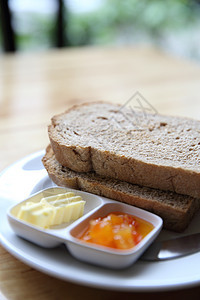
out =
column 34, row 31
column 115, row 19
column 152, row 17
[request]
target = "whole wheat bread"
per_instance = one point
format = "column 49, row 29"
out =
column 151, row 150
column 176, row 210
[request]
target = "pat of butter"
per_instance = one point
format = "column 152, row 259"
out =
column 53, row 210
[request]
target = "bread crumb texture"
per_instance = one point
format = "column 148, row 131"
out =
column 154, row 138
column 129, row 145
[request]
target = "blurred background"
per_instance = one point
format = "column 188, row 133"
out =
column 172, row 25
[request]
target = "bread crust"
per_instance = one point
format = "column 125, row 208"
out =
column 175, row 210
column 152, row 163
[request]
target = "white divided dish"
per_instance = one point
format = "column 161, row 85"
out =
column 67, row 233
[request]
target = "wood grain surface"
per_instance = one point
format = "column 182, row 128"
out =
column 35, row 86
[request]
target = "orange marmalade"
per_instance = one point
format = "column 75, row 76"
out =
column 117, row 230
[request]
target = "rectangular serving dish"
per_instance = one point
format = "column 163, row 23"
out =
column 95, row 206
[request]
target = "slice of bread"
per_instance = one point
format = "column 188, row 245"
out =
column 176, row 210
column 160, row 152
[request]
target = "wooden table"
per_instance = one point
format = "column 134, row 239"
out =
column 35, row 86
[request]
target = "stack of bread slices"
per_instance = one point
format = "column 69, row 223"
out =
column 147, row 160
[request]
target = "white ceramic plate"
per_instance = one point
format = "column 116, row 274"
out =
column 27, row 177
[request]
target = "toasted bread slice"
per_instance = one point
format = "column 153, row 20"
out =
column 176, row 210
column 160, row 152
